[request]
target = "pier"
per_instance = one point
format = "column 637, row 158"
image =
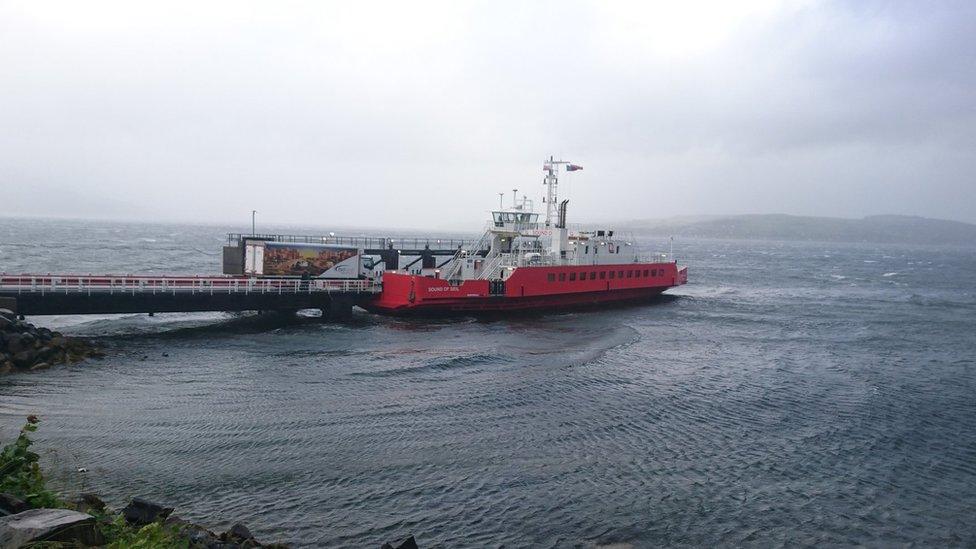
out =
column 108, row 294
column 237, row 289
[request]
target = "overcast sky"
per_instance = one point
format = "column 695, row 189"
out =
column 416, row 114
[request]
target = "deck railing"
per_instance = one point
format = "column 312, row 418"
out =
column 366, row 242
column 519, row 260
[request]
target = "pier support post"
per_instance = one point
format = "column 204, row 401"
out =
column 339, row 307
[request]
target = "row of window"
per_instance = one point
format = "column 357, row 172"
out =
column 610, row 248
column 629, row 273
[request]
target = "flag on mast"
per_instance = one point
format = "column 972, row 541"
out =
column 573, row 167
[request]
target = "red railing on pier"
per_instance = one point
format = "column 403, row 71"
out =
column 131, row 284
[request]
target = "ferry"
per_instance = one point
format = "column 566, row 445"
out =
column 524, row 264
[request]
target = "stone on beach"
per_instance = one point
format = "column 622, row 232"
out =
column 10, row 505
column 140, row 512
column 24, row 346
column 49, row 525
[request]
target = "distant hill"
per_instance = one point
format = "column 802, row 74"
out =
column 878, row 228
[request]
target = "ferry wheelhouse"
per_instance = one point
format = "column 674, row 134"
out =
column 522, row 263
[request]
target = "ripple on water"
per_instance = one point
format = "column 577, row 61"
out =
column 770, row 403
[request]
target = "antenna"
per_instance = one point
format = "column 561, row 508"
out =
column 500, row 205
column 514, row 197
column 253, row 212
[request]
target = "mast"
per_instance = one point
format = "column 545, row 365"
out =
column 551, row 181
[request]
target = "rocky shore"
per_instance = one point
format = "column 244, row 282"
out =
column 88, row 522
column 31, row 515
column 25, row 347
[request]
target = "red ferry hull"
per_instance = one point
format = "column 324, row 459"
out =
column 527, row 289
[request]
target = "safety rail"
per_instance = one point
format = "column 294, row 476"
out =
column 456, row 263
column 365, row 242
column 110, row 284
column 494, row 263
column 654, row 258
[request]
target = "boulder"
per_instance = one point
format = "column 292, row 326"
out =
column 238, row 532
column 35, row 526
column 10, row 505
column 46, row 352
column 89, row 502
column 406, row 543
column 16, row 343
column 176, row 522
column 6, row 367
column 40, row 366
column 28, row 338
column 24, row 359
column 140, row 512
column 200, row 537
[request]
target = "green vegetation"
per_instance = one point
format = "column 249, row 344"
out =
column 20, row 472
column 21, row 477
column 120, row 535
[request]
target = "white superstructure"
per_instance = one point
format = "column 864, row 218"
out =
column 515, row 237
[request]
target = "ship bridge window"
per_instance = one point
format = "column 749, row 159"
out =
column 502, row 218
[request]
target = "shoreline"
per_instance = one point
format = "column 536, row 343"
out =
column 30, row 513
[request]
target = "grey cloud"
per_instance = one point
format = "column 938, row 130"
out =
column 332, row 114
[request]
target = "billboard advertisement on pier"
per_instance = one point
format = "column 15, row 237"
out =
column 313, row 260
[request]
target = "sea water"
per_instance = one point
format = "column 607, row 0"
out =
column 791, row 394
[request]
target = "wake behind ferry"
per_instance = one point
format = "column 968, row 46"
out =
column 522, row 263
